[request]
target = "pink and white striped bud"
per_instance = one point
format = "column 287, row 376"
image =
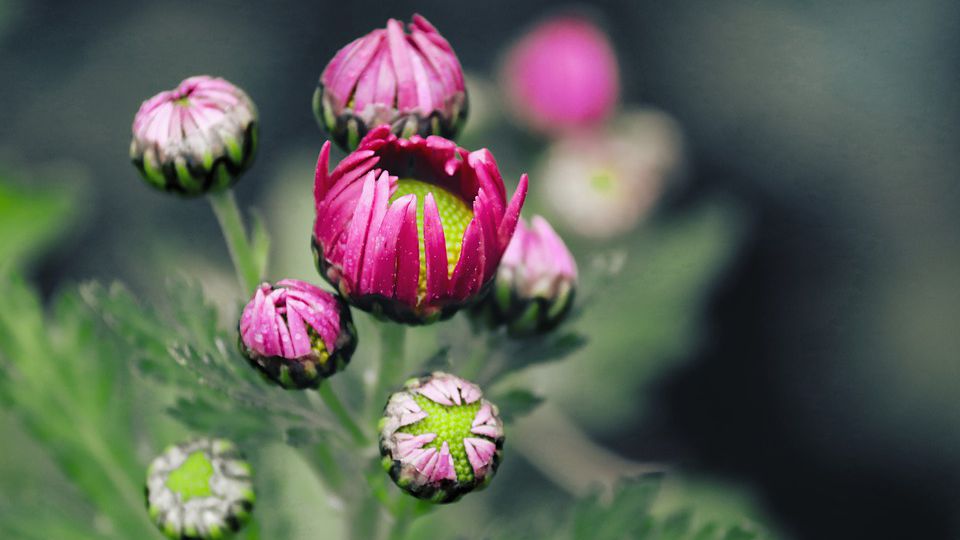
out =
column 196, row 138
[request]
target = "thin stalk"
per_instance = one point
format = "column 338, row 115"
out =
column 391, row 366
column 224, row 206
column 365, row 521
column 342, row 414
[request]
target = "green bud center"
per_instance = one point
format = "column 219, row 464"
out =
column 452, row 425
column 455, row 216
column 192, row 478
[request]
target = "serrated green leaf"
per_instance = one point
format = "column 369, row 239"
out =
column 624, row 517
column 63, row 378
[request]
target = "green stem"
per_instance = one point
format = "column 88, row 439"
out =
column 225, row 208
column 342, row 414
column 392, row 339
column 475, row 363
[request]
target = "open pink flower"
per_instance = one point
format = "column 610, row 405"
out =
column 412, row 228
column 196, row 138
column 411, row 81
column 562, row 76
column 296, row 333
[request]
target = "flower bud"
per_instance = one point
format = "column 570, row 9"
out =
column 535, row 284
column 562, row 76
column 199, row 490
column 411, row 81
column 296, row 334
column 412, row 229
column 603, row 184
column 196, row 138
column 439, row 439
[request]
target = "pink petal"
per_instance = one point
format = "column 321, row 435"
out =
column 408, row 257
column 512, row 213
column 320, row 178
column 434, row 393
column 468, row 274
column 374, row 238
column 385, row 269
column 400, row 54
column 357, row 232
column 436, row 251
column 480, row 452
column 298, row 333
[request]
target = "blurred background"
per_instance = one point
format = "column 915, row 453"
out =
column 785, row 325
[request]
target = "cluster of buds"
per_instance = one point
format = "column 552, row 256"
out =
column 199, row 489
column 409, row 227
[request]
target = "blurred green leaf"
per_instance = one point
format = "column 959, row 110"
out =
column 648, row 318
column 63, row 380
column 260, row 243
column 516, row 403
column 30, row 219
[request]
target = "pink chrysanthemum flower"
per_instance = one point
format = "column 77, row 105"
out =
column 296, row 333
column 196, row 138
column 439, row 438
column 604, row 184
column 411, row 81
column 412, row 228
column 562, row 76
column 535, row 283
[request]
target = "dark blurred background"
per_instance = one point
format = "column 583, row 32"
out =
column 829, row 378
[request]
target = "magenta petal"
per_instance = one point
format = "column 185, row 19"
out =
column 298, row 332
column 357, row 232
column 512, row 214
column 325, row 321
column 385, row 266
column 468, row 275
column 268, row 330
column 342, row 84
column 321, row 178
column 374, row 239
column 400, row 54
column 408, row 257
column 436, row 250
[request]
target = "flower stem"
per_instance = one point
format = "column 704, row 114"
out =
column 342, row 414
column 231, row 223
column 392, row 338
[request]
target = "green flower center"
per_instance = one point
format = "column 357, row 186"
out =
column 192, row 478
column 452, row 425
column 455, row 216
column 603, row 181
